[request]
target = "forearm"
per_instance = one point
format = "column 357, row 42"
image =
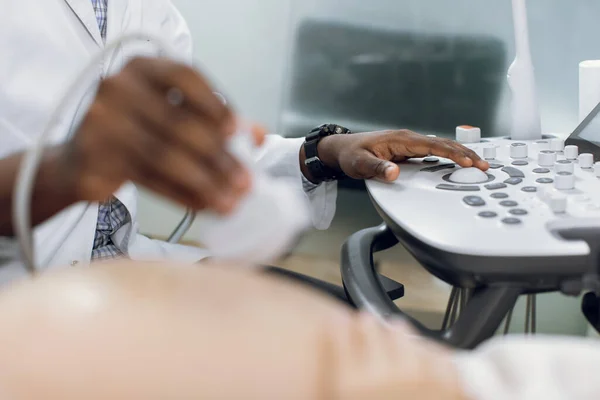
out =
column 53, row 189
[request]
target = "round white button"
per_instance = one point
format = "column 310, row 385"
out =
column 468, row 134
column 546, row 158
column 564, row 166
column 586, row 160
column 518, row 150
column 542, row 145
column 597, row 169
column 557, row 203
column 564, row 181
column 557, row 145
column 571, row 152
column 489, row 153
column 469, row 175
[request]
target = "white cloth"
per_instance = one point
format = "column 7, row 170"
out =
column 43, row 45
column 532, row 368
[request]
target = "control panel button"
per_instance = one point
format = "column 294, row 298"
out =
column 564, row 181
column 518, row 150
column 564, row 166
column 557, row 203
column 431, row 159
column 437, row 168
column 496, row 165
column 586, row 160
column 468, row 134
column 474, row 201
column 542, row 145
column 557, row 145
column 518, row 211
column 495, row 186
column 546, row 158
column 458, row 188
column 469, row 175
column 499, row 196
column 520, row 163
column 571, row 152
column 597, row 169
column 489, row 152
column 541, row 170
column 488, row 214
column 544, row 180
column 529, row 189
column 511, row 221
column 513, row 181
column 509, row 203
column 513, row 172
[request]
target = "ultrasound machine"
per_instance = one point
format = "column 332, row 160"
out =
column 528, row 225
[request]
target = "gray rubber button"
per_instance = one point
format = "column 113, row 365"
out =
column 488, row 214
column 545, row 180
column 513, row 172
column 529, row 189
column 511, row 221
column 520, row 163
column 431, row 159
column 509, row 203
column 495, row 186
column 518, row 211
column 513, row 181
column 474, row 201
column 457, row 188
column 541, row 170
column 496, row 165
column 499, row 196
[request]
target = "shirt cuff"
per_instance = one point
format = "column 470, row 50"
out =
column 308, row 186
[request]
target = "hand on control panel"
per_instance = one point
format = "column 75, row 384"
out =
column 374, row 154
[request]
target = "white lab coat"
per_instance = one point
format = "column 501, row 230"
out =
column 44, row 44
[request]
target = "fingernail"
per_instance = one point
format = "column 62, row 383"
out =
column 389, row 170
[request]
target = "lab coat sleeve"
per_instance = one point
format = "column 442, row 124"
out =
column 176, row 33
column 532, row 369
column 279, row 157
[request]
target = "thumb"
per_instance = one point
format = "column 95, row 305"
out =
column 373, row 167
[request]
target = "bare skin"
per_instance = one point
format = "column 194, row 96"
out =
column 148, row 331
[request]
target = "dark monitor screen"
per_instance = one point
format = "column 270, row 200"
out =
column 587, row 134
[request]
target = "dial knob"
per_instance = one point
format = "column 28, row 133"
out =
column 557, row 145
column 489, row 153
column 571, row 152
column 546, row 158
column 518, row 150
column 557, row 202
column 597, row 169
column 564, row 166
column 564, row 181
column 586, row 160
column 468, row 134
column 542, row 145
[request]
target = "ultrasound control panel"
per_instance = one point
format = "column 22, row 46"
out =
column 518, row 216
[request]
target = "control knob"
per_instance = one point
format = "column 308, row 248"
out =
column 557, row 145
column 489, row 153
column 518, row 150
column 542, row 145
column 597, row 169
column 564, row 166
column 571, row 152
column 546, row 158
column 586, row 160
column 468, row 134
column 557, row 203
column 564, row 181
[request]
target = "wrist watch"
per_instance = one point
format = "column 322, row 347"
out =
column 316, row 167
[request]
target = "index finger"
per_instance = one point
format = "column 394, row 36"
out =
column 197, row 95
column 452, row 150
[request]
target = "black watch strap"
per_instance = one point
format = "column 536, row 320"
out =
column 316, row 167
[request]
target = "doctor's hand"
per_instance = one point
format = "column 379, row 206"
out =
column 375, row 154
column 158, row 123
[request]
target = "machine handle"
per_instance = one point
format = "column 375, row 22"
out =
column 478, row 322
column 183, row 227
